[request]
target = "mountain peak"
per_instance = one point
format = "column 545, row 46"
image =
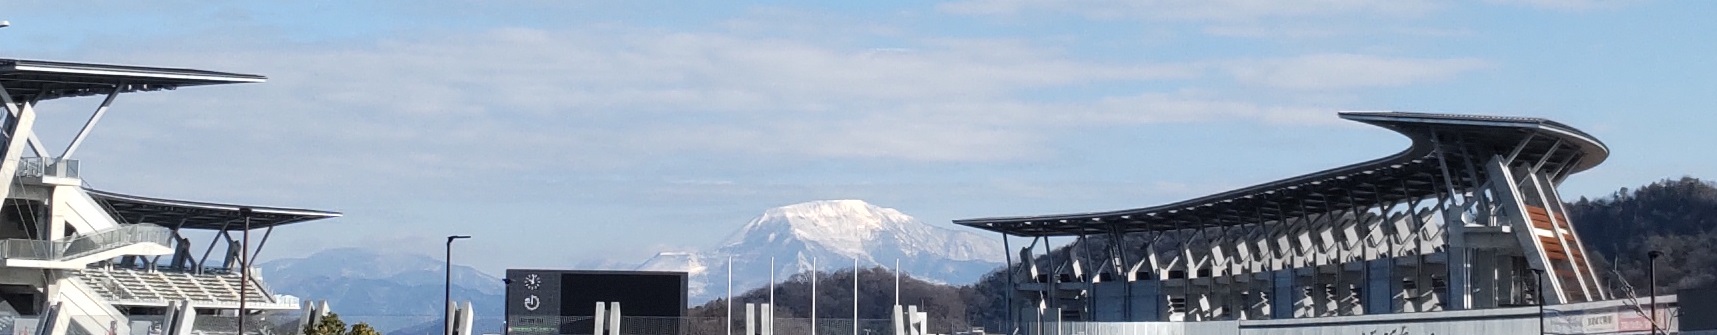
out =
column 843, row 226
column 838, row 204
column 827, row 234
column 833, row 213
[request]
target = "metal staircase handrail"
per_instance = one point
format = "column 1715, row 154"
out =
column 84, row 245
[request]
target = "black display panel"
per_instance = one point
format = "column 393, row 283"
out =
column 553, row 302
column 639, row 294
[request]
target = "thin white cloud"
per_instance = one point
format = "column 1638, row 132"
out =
column 533, row 134
column 534, row 101
column 1192, row 10
column 1567, row 5
column 1299, row 30
column 1188, row 107
column 611, row 99
column 1348, row 71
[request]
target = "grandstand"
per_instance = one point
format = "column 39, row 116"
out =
column 1448, row 236
column 75, row 260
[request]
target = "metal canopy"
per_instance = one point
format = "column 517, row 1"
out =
column 31, row 80
column 1446, row 156
column 198, row 215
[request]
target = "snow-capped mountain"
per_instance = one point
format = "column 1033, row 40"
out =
column 834, row 233
column 688, row 262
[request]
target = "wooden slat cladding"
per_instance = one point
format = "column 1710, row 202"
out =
column 1567, row 262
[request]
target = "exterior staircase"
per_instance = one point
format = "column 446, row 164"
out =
column 79, row 251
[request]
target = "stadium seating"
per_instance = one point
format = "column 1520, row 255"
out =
column 150, row 287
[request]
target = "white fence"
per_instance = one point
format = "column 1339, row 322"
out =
column 1594, row 318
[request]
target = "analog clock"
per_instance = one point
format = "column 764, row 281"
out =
column 533, row 282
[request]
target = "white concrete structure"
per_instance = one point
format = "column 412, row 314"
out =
column 82, row 261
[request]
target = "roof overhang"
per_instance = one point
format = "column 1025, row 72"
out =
column 1467, row 141
column 198, row 215
column 31, row 80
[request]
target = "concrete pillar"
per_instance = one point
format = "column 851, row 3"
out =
column 600, row 319
column 1146, row 300
column 750, row 319
column 1378, row 293
column 1283, row 297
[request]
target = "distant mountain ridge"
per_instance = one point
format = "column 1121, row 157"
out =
column 833, row 233
column 400, row 293
column 389, row 290
column 403, row 268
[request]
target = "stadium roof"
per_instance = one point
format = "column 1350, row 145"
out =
column 30, row 80
column 198, row 215
column 1467, row 142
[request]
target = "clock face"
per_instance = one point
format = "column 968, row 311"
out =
column 533, row 282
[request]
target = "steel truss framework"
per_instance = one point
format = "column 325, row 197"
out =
column 1460, row 220
column 24, row 83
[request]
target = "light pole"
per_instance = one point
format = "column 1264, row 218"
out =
column 447, row 292
column 243, row 263
column 1651, row 269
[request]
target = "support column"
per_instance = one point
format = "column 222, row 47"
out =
column 17, row 130
column 1460, row 264
column 1283, row 298
column 1379, row 283
column 1146, row 300
column 1484, row 294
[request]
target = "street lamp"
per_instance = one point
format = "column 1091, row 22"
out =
column 243, row 260
column 447, row 293
column 1651, row 270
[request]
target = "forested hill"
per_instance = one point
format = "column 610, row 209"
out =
column 1675, row 216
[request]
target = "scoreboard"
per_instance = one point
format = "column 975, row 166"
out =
column 553, row 302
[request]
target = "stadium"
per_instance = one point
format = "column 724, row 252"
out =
column 1461, row 233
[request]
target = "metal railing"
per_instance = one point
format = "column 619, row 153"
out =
column 18, row 324
column 40, row 167
column 648, row 325
column 29, row 249
column 254, row 325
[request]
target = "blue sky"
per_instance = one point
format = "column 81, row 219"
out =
column 563, row 132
